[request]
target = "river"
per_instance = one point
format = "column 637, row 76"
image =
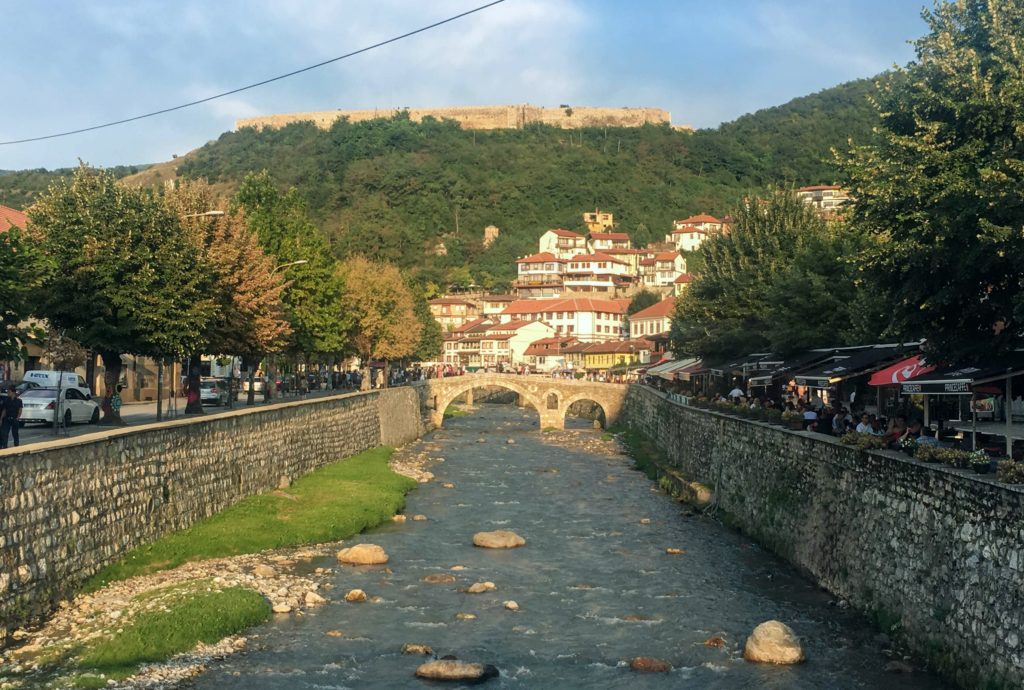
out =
column 588, row 565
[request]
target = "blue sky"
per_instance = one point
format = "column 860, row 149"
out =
column 73, row 64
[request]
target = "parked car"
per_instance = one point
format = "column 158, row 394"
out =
column 213, row 392
column 40, row 405
column 257, row 384
column 22, row 386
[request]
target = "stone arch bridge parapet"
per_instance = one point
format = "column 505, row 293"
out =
column 535, row 390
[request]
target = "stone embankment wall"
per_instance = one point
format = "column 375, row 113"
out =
column 940, row 552
column 479, row 117
column 68, row 508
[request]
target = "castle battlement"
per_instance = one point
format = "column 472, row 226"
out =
column 479, row 116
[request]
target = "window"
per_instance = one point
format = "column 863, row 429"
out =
column 569, row 329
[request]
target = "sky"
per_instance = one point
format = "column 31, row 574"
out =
column 67, row 65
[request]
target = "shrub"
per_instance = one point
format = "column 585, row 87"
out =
column 1010, row 472
column 927, row 453
column 954, row 457
column 862, row 441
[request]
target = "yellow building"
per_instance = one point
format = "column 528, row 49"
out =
column 598, row 220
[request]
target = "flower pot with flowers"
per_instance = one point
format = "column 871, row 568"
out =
column 927, row 454
column 909, row 445
column 794, row 420
column 980, row 462
column 960, row 459
column 1010, row 472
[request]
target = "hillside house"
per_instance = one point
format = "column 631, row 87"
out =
column 563, row 244
column 504, row 344
column 539, row 276
column 586, row 319
column 653, row 320
column 453, row 312
column 596, row 272
column 662, row 270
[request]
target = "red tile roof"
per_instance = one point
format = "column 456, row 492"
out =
column 623, row 250
column 565, row 233
column 818, row 187
column 597, row 256
column 451, row 300
column 699, row 218
column 657, row 311
column 513, row 325
column 569, row 304
column 616, row 346
column 689, row 228
column 541, row 258
column 471, row 325
column 666, row 256
column 684, row 278
column 10, row 217
column 609, row 236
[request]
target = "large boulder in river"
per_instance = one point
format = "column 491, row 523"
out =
column 453, row 669
column 773, row 642
column 499, row 539
column 363, row 554
column 648, row 664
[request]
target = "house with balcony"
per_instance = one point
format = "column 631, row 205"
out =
column 598, row 220
column 453, row 312
column 660, row 271
column 653, row 320
column 539, row 276
column 462, row 346
column 597, row 273
column 547, row 354
column 826, row 199
column 688, row 234
column 492, row 305
column 604, row 241
column 586, row 319
column 563, row 244
column 505, row 344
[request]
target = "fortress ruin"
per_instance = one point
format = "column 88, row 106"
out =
column 480, row 117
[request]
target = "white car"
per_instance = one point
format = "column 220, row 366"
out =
column 77, row 405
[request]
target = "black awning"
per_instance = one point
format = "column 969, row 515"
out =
column 791, row 364
column 845, row 364
column 963, row 380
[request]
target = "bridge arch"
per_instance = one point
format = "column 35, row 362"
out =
column 589, row 397
column 537, row 399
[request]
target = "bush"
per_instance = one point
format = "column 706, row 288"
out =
column 862, row 441
column 927, row 453
column 1010, row 472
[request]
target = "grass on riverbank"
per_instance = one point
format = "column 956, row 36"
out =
column 646, row 455
column 452, row 412
column 332, row 503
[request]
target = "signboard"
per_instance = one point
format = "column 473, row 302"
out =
column 938, row 388
column 812, row 381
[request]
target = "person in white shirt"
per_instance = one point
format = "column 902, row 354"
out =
column 736, row 393
column 865, row 425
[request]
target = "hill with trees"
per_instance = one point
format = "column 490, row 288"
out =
column 419, row 194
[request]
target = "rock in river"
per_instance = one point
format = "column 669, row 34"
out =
column 499, row 539
column 648, row 664
column 453, row 669
column 480, row 587
column 264, row 570
column 355, row 595
column 363, row 554
column 773, row 642
column 439, row 578
column 410, row 648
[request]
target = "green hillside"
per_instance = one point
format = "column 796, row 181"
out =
column 19, row 188
column 394, row 189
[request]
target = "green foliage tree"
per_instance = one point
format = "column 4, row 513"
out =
column 120, row 287
column 781, row 280
column 941, row 187
column 641, row 300
column 314, row 293
column 431, row 341
column 23, row 269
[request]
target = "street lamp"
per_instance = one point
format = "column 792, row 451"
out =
column 293, row 263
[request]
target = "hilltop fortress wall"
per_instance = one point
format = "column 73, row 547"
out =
column 480, row 117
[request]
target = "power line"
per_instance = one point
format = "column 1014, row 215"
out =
column 259, row 83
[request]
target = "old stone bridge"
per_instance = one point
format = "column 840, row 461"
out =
column 550, row 397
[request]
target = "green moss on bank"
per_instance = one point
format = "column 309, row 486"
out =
column 452, row 412
column 332, row 503
column 646, row 455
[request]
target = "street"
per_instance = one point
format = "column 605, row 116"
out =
column 136, row 414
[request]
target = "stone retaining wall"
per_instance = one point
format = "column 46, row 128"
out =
column 68, row 508
column 937, row 551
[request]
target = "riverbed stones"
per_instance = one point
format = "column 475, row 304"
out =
column 399, row 518
column 511, row 605
column 645, row 521
column 419, row 518
column 455, row 670
column 334, row 633
column 498, row 539
column 264, row 570
column 355, row 596
column 411, row 648
column 439, row 578
column 649, row 664
column 447, row 485
column 671, row 551
column 465, row 616
column 363, row 554
column 715, row 641
column 773, row 642
column 481, row 587
column 281, row 608
column 314, row 599
column 511, row 441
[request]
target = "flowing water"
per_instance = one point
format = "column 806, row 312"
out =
column 588, row 565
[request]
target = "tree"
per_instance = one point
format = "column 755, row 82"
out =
column 23, row 270
column 431, row 341
column 249, row 318
column 940, row 185
column 385, row 326
column 121, row 287
column 641, row 300
column 782, row 280
column 63, row 353
column 313, row 296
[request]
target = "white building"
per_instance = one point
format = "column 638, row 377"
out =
column 603, row 241
column 596, row 273
column 563, row 244
column 506, row 343
column 539, row 276
column 662, row 270
column 688, row 234
column 825, row 198
column 653, row 320
column 586, row 319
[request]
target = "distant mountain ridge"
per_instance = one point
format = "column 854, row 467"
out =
column 396, row 189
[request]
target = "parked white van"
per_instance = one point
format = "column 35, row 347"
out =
column 53, row 379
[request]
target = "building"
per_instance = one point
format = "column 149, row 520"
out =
column 605, row 241
column 548, row 354
column 491, row 233
column 688, row 234
column 563, row 244
column 596, row 273
column 827, row 199
column 601, row 357
column 462, row 346
column 598, row 220
column 586, row 319
column 681, row 283
column 453, row 312
column 661, row 270
column 492, row 305
column 12, row 218
column 653, row 320
column 505, row 344
column 539, row 276
column 631, row 257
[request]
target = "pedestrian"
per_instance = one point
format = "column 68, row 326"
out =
column 10, row 413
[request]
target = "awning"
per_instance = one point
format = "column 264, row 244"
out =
column 688, row 372
column 669, row 372
column 789, row 365
column 669, row 364
column 847, row 364
column 909, row 368
column 963, row 380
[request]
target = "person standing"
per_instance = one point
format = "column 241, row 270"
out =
column 10, row 413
